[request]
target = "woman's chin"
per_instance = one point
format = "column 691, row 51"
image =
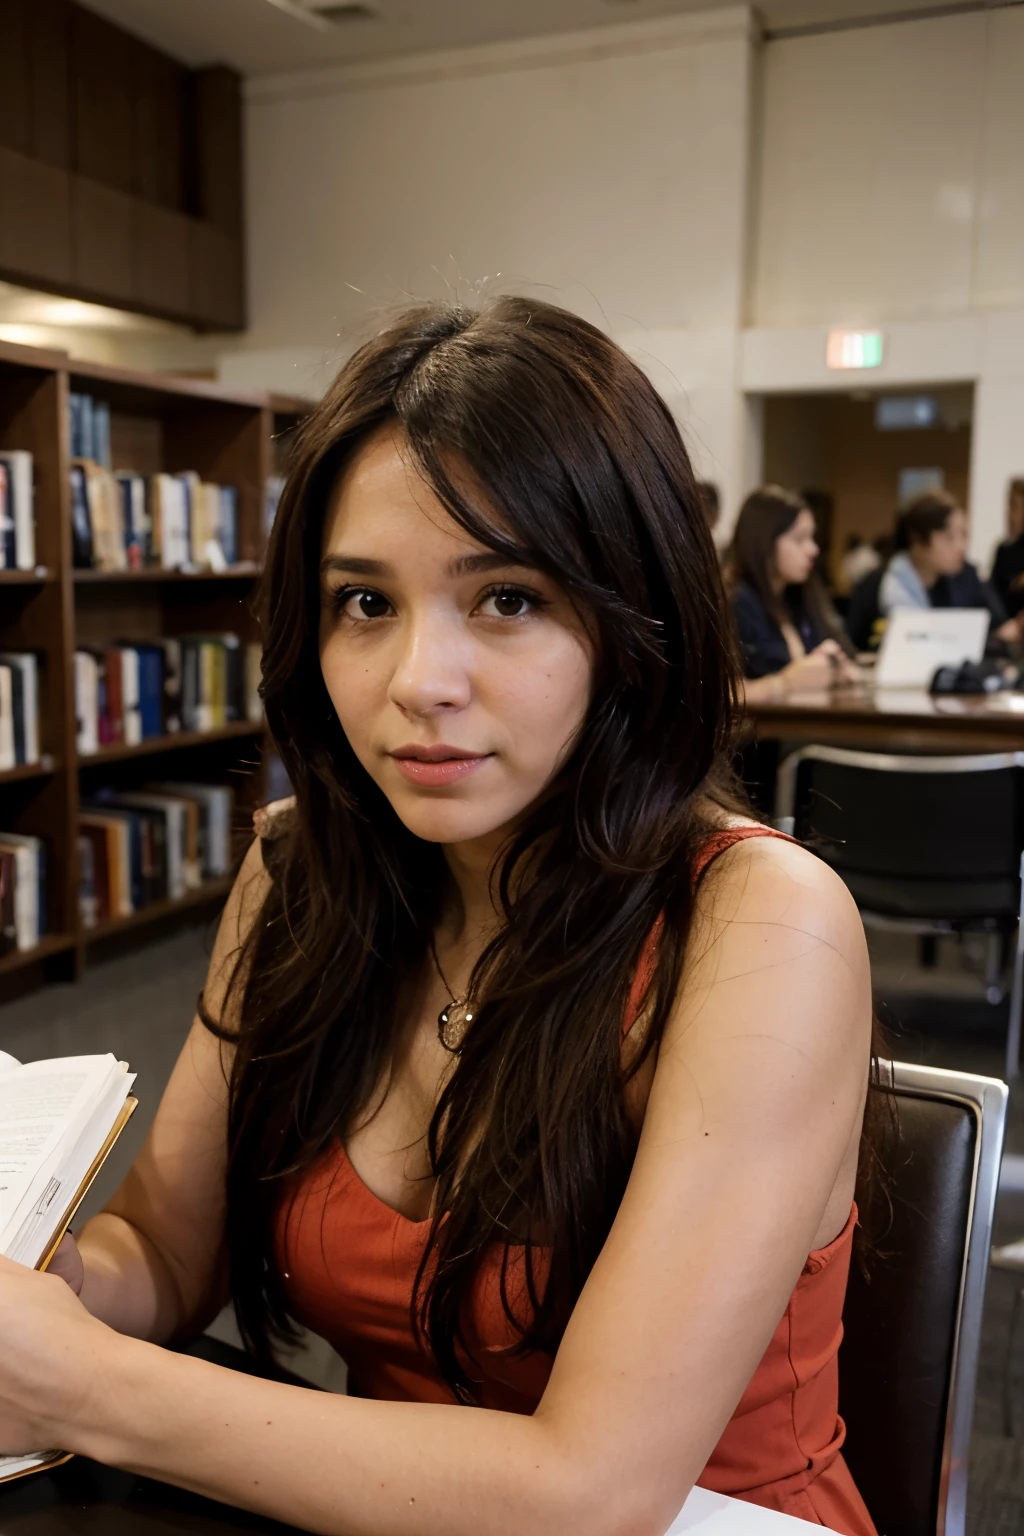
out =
column 452, row 823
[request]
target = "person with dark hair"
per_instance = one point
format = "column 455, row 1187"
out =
column 789, row 635
column 506, row 1079
column 711, row 501
column 930, row 568
column 1008, row 568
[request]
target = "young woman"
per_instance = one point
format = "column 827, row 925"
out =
column 788, row 634
column 527, row 1072
column 931, row 569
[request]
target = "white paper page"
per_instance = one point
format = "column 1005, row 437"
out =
column 74, row 1161
column 99, row 1119
column 8, row 1063
column 40, row 1105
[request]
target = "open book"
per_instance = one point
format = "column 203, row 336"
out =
column 58, row 1121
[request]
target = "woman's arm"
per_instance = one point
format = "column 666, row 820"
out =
column 153, row 1258
column 746, row 1161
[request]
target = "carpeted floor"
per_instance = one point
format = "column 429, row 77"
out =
column 140, row 1006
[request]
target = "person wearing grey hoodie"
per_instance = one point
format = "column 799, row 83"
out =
column 933, row 571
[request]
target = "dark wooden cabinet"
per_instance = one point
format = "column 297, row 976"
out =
column 160, row 257
column 120, row 169
column 35, row 221
column 102, row 241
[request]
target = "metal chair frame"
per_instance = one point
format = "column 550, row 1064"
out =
column 889, row 762
column 986, row 1098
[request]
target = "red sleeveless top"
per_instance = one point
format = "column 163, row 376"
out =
column 349, row 1264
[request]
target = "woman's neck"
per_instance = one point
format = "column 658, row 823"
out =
column 471, row 917
column 923, row 565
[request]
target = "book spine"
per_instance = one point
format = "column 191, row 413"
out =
column 7, row 757
column 8, row 548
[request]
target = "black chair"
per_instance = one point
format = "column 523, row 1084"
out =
column 928, row 845
column 912, row 1320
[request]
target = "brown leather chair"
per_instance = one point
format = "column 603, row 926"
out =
column 912, row 1321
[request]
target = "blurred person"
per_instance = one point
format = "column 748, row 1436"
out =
column 1008, row 570
column 789, row 635
column 931, row 569
column 859, row 560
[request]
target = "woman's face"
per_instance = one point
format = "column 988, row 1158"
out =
column 796, row 550
column 460, row 680
column 947, row 547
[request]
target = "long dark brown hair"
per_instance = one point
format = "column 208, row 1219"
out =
column 764, row 517
column 530, row 1142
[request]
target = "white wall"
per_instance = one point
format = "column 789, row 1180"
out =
column 613, row 172
column 890, row 182
column 891, row 194
column 605, row 170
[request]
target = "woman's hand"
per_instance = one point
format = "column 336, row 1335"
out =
column 825, row 667
column 51, row 1361
column 67, row 1263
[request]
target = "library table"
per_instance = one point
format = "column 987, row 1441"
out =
column 894, row 720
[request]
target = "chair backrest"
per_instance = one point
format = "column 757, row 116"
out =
column 912, row 1320
column 925, row 818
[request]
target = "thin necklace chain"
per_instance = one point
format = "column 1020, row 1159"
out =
column 437, row 966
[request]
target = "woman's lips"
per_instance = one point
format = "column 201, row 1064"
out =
column 435, row 775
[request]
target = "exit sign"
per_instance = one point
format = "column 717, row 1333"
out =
column 854, row 349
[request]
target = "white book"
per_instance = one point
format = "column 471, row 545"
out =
column 58, row 1119
column 130, row 711
column 28, row 665
column 19, row 473
column 27, row 853
column 86, row 703
column 7, row 757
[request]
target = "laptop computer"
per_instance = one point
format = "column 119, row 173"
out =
column 917, row 641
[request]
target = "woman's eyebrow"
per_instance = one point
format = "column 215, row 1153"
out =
column 462, row 565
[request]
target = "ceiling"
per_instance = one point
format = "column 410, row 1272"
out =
column 259, row 37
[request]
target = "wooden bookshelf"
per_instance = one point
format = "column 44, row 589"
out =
column 156, row 911
column 158, row 423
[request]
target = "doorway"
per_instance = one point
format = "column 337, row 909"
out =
column 859, row 456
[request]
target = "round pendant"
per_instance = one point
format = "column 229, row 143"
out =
column 452, row 1023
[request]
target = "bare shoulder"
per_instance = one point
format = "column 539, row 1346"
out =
column 777, row 938
column 776, row 882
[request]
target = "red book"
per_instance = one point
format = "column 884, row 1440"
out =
column 115, row 698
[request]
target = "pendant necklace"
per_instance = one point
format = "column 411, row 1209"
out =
column 456, row 1016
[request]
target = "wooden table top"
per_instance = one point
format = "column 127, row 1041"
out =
column 895, row 719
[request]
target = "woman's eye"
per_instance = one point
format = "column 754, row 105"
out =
column 361, row 603
column 507, row 603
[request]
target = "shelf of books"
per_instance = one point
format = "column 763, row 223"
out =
column 134, row 510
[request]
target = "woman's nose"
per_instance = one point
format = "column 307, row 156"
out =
column 430, row 671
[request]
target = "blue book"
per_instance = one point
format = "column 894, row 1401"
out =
column 75, row 424
column 8, row 540
column 151, row 689
column 101, row 432
column 229, row 523
column 81, row 522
